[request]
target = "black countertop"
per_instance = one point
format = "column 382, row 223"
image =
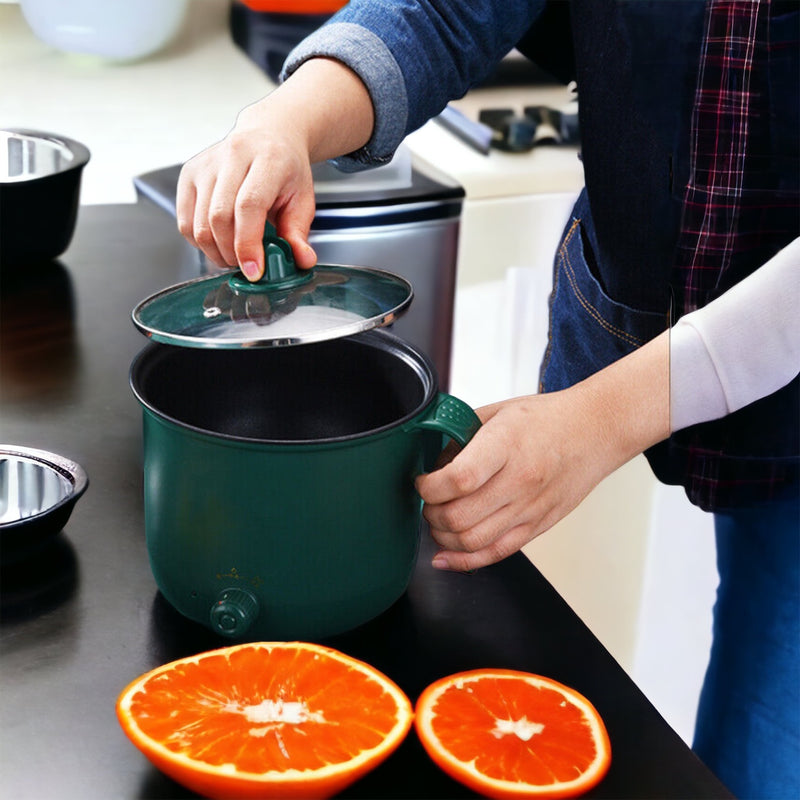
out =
column 84, row 617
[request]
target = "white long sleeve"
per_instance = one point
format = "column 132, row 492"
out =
column 739, row 348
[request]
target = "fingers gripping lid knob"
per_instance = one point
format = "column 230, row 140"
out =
column 233, row 612
column 278, row 256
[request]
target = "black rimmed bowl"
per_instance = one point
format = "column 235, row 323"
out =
column 40, row 180
column 38, row 491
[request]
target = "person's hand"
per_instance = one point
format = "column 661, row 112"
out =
column 226, row 193
column 535, row 458
column 262, row 169
column 532, row 462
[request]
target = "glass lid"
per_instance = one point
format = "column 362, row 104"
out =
column 286, row 307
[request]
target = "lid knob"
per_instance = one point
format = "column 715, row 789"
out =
column 280, row 271
column 278, row 256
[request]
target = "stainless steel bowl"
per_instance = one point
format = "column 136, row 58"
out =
column 38, row 491
column 40, row 177
column 27, row 155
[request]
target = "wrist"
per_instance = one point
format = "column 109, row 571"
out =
column 323, row 105
column 628, row 401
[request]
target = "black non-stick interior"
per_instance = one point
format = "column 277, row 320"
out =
column 311, row 392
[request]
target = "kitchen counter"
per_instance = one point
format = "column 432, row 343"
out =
column 83, row 618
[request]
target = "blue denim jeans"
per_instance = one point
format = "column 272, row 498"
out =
column 588, row 329
column 748, row 721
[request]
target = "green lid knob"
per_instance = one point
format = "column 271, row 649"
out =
column 278, row 256
column 280, row 271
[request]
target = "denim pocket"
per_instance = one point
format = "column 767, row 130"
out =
column 588, row 330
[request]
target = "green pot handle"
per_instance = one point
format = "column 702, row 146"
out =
column 450, row 416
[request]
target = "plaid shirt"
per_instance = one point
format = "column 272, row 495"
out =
column 715, row 197
column 726, row 203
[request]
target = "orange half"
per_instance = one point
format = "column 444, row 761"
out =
column 278, row 719
column 509, row 734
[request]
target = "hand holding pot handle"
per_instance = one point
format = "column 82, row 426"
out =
column 536, row 457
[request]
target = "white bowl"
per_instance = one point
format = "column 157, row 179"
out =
column 119, row 30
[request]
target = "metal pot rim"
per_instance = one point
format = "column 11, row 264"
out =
column 381, row 339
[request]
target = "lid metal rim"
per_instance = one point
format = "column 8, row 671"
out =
column 234, row 343
column 211, row 343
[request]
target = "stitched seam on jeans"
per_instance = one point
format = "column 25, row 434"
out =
column 548, row 353
column 590, row 309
